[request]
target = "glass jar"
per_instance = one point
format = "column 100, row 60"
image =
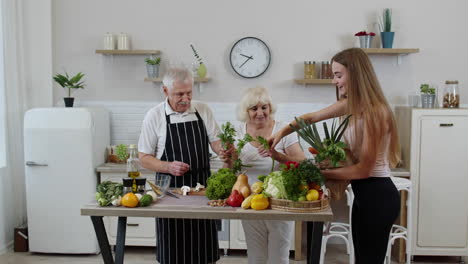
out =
column 141, row 185
column 127, row 185
column 451, row 98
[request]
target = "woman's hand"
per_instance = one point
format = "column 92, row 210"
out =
column 226, row 154
column 274, row 139
column 264, row 152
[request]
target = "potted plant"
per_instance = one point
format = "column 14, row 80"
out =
column 71, row 83
column 365, row 39
column 152, row 67
column 201, row 68
column 385, row 25
column 427, row 96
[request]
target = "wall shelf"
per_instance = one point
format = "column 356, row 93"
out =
column 128, row 52
column 313, row 81
column 196, row 80
column 390, row 51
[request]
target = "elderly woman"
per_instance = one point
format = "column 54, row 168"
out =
column 268, row 241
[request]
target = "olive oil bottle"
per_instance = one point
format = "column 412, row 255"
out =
column 133, row 166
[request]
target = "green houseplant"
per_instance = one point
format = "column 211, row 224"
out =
column 152, row 67
column 427, row 96
column 70, row 83
column 201, row 68
column 385, row 25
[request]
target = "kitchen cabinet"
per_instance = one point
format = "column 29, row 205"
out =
column 434, row 142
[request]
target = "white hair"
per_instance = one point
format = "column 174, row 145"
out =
column 178, row 74
column 252, row 97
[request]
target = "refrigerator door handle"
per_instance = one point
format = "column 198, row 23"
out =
column 32, row 163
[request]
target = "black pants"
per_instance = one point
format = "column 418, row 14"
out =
column 376, row 207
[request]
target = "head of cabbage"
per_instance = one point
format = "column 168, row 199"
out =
column 274, row 185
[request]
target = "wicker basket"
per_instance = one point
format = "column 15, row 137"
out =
column 300, row 207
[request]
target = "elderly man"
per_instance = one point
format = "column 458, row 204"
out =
column 174, row 141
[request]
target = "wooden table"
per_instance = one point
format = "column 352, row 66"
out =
column 195, row 207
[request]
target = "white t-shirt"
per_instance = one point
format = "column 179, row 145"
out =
column 249, row 154
column 153, row 130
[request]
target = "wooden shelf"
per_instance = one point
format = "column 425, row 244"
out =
column 390, row 51
column 313, row 81
column 128, row 52
column 197, row 80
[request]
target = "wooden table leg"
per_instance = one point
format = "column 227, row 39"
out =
column 314, row 241
column 120, row 243
column 102, row 239
column 297, row 240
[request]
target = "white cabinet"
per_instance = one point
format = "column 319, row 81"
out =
column 237, row 236
column 434, row 145
column 141, row 231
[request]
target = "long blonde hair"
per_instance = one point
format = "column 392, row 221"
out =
column 366, row 101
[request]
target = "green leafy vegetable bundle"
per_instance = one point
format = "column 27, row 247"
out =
column 329, row 149
column 219, row 184
column 108, row 191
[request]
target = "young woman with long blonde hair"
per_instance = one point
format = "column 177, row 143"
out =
column 373, row 139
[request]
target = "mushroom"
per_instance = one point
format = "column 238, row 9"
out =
column 185, row 189
column 198, row 187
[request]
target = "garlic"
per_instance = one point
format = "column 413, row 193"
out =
column 198, row 187
column 117, row 201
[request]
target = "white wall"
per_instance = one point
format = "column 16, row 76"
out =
column 63, row 35
column 295, row 31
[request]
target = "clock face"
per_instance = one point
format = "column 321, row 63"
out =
column 250, row 57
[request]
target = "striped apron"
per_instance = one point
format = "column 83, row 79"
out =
column 184, row 241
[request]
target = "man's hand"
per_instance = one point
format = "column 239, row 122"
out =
column 178, row 168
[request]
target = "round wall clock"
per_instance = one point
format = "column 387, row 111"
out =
column 250, row 57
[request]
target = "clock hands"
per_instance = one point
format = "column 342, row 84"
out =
column 245, row 62
column 250, row 57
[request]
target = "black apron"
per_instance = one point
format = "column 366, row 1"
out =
column 184, row 241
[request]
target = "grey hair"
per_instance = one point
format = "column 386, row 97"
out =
column 252, row 97
column 178, row 74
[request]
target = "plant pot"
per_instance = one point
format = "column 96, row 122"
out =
column 387, row 39
column 365, row 42
column 428, row 100
column 153, row 70
column 68, row 101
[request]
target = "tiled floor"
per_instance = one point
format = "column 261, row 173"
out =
column 141, row 255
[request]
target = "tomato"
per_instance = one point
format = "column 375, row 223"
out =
column 313, row 151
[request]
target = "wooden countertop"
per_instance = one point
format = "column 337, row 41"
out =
column 195, row 207
column 215, row 164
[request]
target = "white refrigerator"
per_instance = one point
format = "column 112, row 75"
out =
column 62, row 148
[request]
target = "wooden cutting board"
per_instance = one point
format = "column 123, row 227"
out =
column 192, row 192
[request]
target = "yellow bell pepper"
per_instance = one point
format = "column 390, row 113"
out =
column 259, row 202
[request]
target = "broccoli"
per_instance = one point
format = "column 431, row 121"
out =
column 219, row 184
column 108, row 191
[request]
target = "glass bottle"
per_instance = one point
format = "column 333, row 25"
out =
column 451, row 97
column 306, row 70
column 133, row 166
